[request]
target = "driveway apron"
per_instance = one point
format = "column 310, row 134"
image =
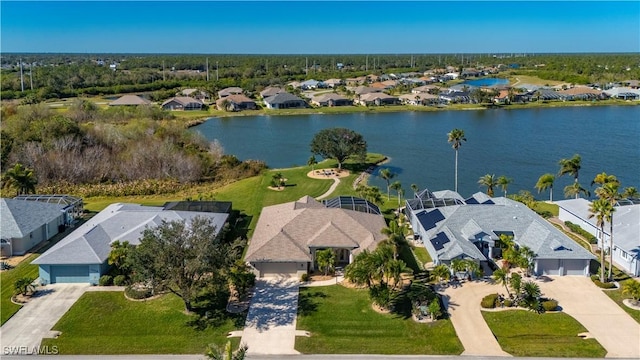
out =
column 35, row 319
column 270, row 327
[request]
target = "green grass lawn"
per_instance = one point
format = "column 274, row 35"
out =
column 422, row 254
column 108, row 323
column 7, row 279
column 543, row 206
column 525, row 333
column 341, row 321
column 616, row 295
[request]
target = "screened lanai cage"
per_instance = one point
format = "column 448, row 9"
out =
column 352, row 203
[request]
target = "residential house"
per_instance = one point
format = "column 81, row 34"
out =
column 623, row 93
column 235, row 103
column 453, row 96
column 288, row 235
column 376, row 99
column 626, row 229
column 360, row 80
column 182, row 103
column 71, row 207
column 311, row 84
column 130, row 100
column 26, row 224
column 419, row 99
column 582, row 93
column 330, row 99
column 452, row 227
column 81, row 257
column 333, row 83
column 361, row 90
column 270, row 91
column 431, row 89
column 194, row 93
column 229, row 91
column 284, row 101
column 502, row 97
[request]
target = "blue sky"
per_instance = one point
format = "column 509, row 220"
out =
column 308, row 27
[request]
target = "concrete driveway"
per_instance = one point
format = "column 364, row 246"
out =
column 270, row 327
column 34, row 321
column 614, row 329
column 463, row 305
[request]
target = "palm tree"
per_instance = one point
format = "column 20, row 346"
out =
column 397, row 187
column 456, row 137
column 415, row 188
column 601, row 210
column 546, row 182
column 501, row 276
column 441, row 272
column 570, row 167
column 22, row 179
column 630, row 193
column 489, row 181
column 632, row 288
column 312, row 162
column 526, row 256
column 396, row 233
column 504, row 182
column 609, row 192
column 574, row 190
column 215, row 352
column 387, row 175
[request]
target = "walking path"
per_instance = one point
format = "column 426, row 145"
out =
column 463, row 305
column 335, row 184
column 35, row 319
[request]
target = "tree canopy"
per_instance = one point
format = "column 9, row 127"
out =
column 339, row 144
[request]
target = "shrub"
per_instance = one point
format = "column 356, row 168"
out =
column 105, row 280
column 120, row 280
column 508, row 303
column 304, row 277
column 580, row 231
column 137, row 293
column 550, row 305
column 489, row 301
column 607, row 285
column 545, row 214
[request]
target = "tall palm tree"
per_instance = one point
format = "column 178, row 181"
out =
column 630, row 193
column 415, row 188
column 396, row 235
column 489, row 181
column 312, row 162
column 574, row 190
column 501, row 276
column 601, row 210
column 546, row 182
column 504, row 182
column 570, row 167
column 604, row 178
column 609, row 192
column 397, row 187
column 456, row 137
column 387, row 175
column 22, row 179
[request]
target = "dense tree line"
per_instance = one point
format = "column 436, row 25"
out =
column 69, row 75
column 91, row 145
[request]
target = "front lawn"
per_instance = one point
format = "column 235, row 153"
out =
column 341, row 321
column 616, row 295
column 422, row 254
column 525, row 333
column 7, row 279
column 108, row 323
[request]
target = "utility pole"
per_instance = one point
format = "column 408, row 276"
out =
column 207, row 69
column 31, row 75
column 217, row 70
column 306, row 66
column 163, row 77
column 366, row 64
column 21, row 77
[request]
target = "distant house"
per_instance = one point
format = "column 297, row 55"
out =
column 455, row 96
column 182, row 103
column 582, row 93
column 130, row 100
column 332, row 83
column 229, row 91
column 194, row 93
column 26, row 224
column 424, row 89
column 356, row 81
column 311, row 84
column 419, row 99
column 376, row 99
column 626, row 229
column 295, row 84
column 287, row 236
column 284, row 101
column 361, row 90
column 451, row 227
column 330, row 99
column 235, row 103
column 270, row 91
column 81, row 257
column 624, row 93
column 502, row 97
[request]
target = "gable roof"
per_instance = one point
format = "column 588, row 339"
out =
column 230, row 91
column 270, row 91
column 282, row 97
column 286, row 232
column 19, row 218
column 182, row 100
column 91, row 242
column 130, row 100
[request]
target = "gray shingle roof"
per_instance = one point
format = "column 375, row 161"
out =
column 285, row 232
column 130, row 100
column 91, row 242
column 282, row 97
column 18, row 218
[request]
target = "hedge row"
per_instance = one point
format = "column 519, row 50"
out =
column 582, row 232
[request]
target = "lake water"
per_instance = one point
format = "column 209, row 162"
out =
column 522, row 144
column 486, row 82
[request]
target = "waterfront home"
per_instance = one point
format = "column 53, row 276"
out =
column 333, row 83
column 130, row 100
column 502, row 97
column 330, row 99
column 376, row 99
column 582, row 93
column 194, row 93
column 623, row 93
column 453, row 96
column 311, row 84
column 626, row 229
column 236, row 102
column 361, row 90
column 182, row 103
column 425, row 89
column 284, row 100
column 270, row 91
column 451, row 227
column 419, row 99
column 230, row 91
column 287, row 236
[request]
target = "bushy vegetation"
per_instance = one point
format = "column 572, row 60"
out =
column 550, row 305
column 600, row 284
column 138, row 292
column 580, row 231
column 490, row 301
column 105, row 280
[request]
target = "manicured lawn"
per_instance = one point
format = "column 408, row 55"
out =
column 422, row 254
column 341, row 321
column 616, row 295
column 525, row 333
column 543, row 206
column 7, row 279
column 107, row 323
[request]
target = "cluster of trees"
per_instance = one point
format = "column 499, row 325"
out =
column 91, row 145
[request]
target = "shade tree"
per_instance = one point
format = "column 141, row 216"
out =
column 339, row 144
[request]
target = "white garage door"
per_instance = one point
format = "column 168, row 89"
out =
column 277, row 269
column 548, row 266
column 574, row 267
